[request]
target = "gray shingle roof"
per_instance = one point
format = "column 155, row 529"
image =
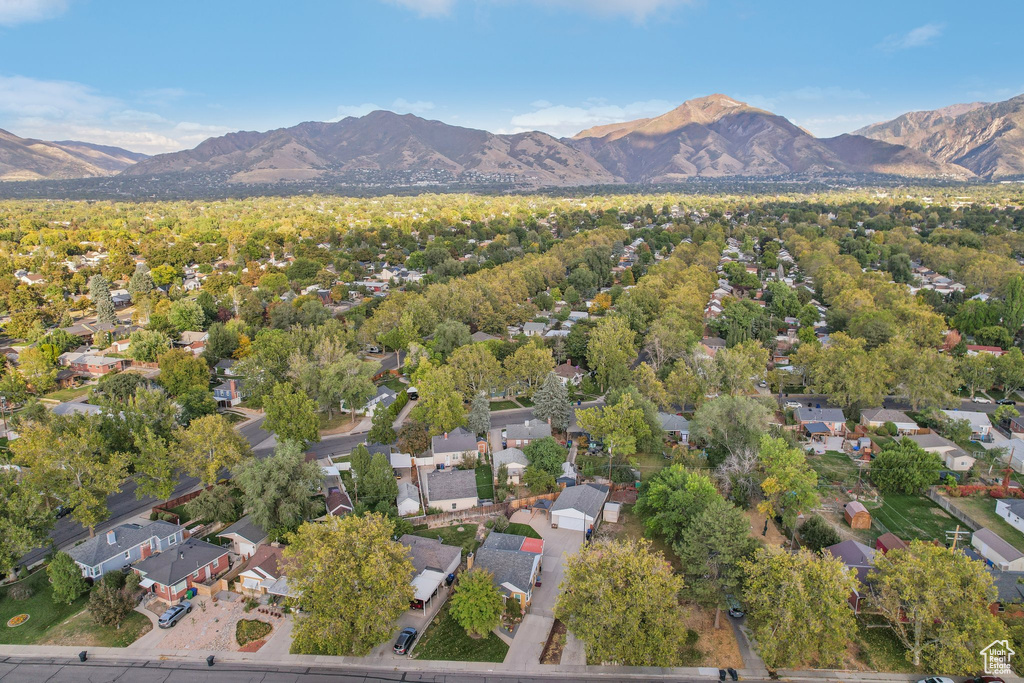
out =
column 885, row 415
column 430, row 553
column 246, row 529
column 96, row 550
column 1005, row 550
column 500, row 554
column 173, row 565
column 459, row 440
column 451, row 484
column 1015, row 505
column 819, row 415
column 674, row 423
column 588, row 499
column 510, row 456
column 408, row 491
column 533, row 429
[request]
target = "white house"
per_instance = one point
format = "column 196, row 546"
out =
column 981, row 426
column 579, row 507
column 245, row 536
column 408, row 499
column 513, row 459
column 384, row 397
column 954, row 457
column 533, row 329
column 998, row 552
column 877, row 417
column 1012, row 510
column 449, row 448
column 451, row 489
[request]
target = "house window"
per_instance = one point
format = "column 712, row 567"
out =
column 453, row 505
column 1000, row 607
column 195, row 574
column 127, row 554
column 172, row 540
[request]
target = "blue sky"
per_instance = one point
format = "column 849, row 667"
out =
column 157, row 77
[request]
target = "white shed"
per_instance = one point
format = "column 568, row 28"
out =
column 611, row 512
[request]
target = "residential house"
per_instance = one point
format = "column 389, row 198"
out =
column 975, row 349
column 451, row 489
column 1017, row 426
column 120, row 345
column 245, row 536
column 91, row 365
column 712, row 345
column 432, row 561
column 858, row 557
column 579, row 507
column 569, row 373
column 954, row 457
column 193, row 341
column 170, row 574
column 832, row 418
column 532, row 329
column 996, row 551
column 676, row 426
column 877, row 417
column 384, row 397
column 225, row 367
column 479, row 336
column 514, row 460
column 336, row 499
column 1012, row 510
column 519, row 435
column 449, row 448
column 981, row 426
column 261, row 571
column 74, row 408
column 229, row 393
column 515, row 562
column 408, row 498
column 124, row 544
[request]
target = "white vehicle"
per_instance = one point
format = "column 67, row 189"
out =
column 793, row 405
column 981, row 399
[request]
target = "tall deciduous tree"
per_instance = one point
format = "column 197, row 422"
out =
column 477, row 604
column 797, row 607
column 620, row 425
column 439, row 405
column 354, row 582
column 978, row 371
column 141, row 282
column 790, row 486
column 378, row 486
column 904, row 467
column 672, row 498
column 937, row 604
column 730, row 425
column 24, row 519
column 622, row 600
column 742, row 365
column 475, row 370
column 279, row 492
column 611, row 350
column 528, row 366
column 291, row 415
column 209, row 445
column 845, row 371
column 65, row 579
column 180, row 371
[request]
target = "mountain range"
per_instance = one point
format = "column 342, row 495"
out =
column 28, row 159
column 712, row 137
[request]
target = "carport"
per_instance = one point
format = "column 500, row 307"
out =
column 425, row 585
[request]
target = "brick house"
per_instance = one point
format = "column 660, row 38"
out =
column 170, row 574
column 125, row 544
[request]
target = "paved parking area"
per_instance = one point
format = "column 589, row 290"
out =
column 210, row 626
column 418, row 619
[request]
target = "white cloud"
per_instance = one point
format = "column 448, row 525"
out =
column 426, row 8
column 918, row 37
column 65, row 110
column 564, row 120
column 638, row 10
column 13, row 12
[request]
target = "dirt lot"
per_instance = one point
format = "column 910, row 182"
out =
column 212, row 628
column 774, row 536
column 718, row 647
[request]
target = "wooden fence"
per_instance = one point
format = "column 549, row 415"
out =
column 481, row 511
column 947, row 505
column 165, row 507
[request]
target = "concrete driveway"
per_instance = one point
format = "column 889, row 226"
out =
column 418, row 619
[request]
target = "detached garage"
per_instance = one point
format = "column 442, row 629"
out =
column 579, row 507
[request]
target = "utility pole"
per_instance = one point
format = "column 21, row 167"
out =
column 610, row 446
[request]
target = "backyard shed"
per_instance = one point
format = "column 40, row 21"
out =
column 857, row 516
column 611, row 512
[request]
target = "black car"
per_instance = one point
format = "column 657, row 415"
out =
column 1006, row 402
column 63, row 511
column 174, row 614
column 405, row 640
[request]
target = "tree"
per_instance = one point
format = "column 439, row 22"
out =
column 937, row 604
column 354, row 582
column 978, row 371
column 112, row 599
column 539, row 480
column 477, row 605
column 790, row 485
column 439, row 405
column 816, row 533
column 24, row 519
column 711, row 550
column 119, row 387
column 141, row 283
column 279, row 492
column 215, row 504
column 742, row 365
column 180, row 371
column 450, row 335
column 1005, row 413
column 475, row 370
column 187, row 314
column 671, row 499
column 153, row 465
column 547, row 454
column 845, row 371
column 730, row 425
column 382, row 429
column 65, row 458
column 646, row 381
column 65, row 579
column 413, row 437
column 196, row 402
column 221, row 342
column 291, row 415
column 611, row 350
column 904, row 467
column 378, row 486
column 620, row 425
column 99, row 293
column 207, row 446
column 528, row 367
column 147, row 345
column 479, row 417
column 924, row 377
column 38, row 370
column 797, row 607
column 351, row 380
column 551, row 402
column 622, row 600
column 1010, row 367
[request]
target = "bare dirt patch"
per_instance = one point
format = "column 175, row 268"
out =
column 774, row 536
column 552, row 653
column 718, row 646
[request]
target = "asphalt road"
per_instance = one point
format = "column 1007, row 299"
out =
column 820, row 400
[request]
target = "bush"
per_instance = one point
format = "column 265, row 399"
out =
column 20, row 591
column 891, row 428
column 501, row 523
column 816, row 533
column 251, row 630
column 250, row 605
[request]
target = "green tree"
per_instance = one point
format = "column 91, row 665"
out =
column 730, row 425
column 539, row 480
column 551, row 402
column 547, row 454
column 360, row 460
column 905, row 468
column 450, row 335
column 354, row 582
column 1005, row 413
column 382, row 429
column 279, row 492
column 24, row 519
column 221, row 343
column 111, row 599
column 216, row 504
column 1010, row 367
column 180, row 371
column 620, row 425
column 742, row 366
column 477, row 605
column 816, row 533
column 351, row 380
column 790, row 486
column 479, row 417
column 141, row 283
column 196, row 402
column 978, row 372
column 291, row 415
column 65, row 579
column 528, row 366
column 99, row 293
column 845, row 371
column 413, row 437
column 671, row 499
column 378, row 486
column 611, row 350
column 622, row 600
column 207, row 446
column 937, row 604
column 38, row 370
column 797, row 607
column 154, row 466
column 439, row 405
column 147, row 345
column 187, row 314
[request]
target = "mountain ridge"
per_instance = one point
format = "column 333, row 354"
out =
column 31, row 159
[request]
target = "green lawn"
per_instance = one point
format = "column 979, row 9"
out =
column 912, row 517
column 879, row 647
column 450, row 535
column 525, row 402
column 484, row 482
column 444, row 639
column 69, row 393
column 183, row 516
column 82, row 629
column 233, row 418
column 834, row 468
column 395, row 384
column 503, row 405
column 983, row 509
column 522, row 530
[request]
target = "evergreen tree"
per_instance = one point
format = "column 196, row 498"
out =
column 479, row 418
column 551, row 402
column 141, row 282
column 99, row 293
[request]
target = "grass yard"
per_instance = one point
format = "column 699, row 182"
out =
column 82, row 629
column 395, row 384
column 834, row 468
column 183, row 516
column 444, row 639
column 522, row 530
column 484, row 482
column 503, row 405
column 69, row 393
column 983, row 509
column 912, row 517
column 233, row 417
column 879, row 648
column 451, row 535
column 336, row 423
column 631, row 527
column 525, row 402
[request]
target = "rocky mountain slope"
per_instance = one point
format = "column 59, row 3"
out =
column 28, row 159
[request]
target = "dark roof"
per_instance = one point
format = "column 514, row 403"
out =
column 855, row 555
column 885, row 415
column 458, row 441
column 803, row 414
column 430, row 553
column 268, row 559
column 502, row 555
column 588, row 499
column 245, row 529
column 891, row 541
column 97, row 550
column 1009, row 585
column 1016, row 506
column 531, row 429
column 174, row 565
column 450, row 484
column 373, row 448
column 674, row 423
column 817, row 428
column 997, row 544
column 338, row 502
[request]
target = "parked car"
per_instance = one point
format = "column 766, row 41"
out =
column 735, row 608
column 412, row 393
column 173, row 615
column 936, row 679
column 793, row 405
column 981, row 399
column 1003, row 402
column 405, row 639
column 985, row 679
column 63, row 511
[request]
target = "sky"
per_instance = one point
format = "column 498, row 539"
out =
column 157, row 77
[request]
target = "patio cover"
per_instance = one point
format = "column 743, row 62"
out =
column 426, row 583
column 146, row 583
column 817, row 428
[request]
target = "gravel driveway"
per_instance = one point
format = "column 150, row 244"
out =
column 212, row 628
